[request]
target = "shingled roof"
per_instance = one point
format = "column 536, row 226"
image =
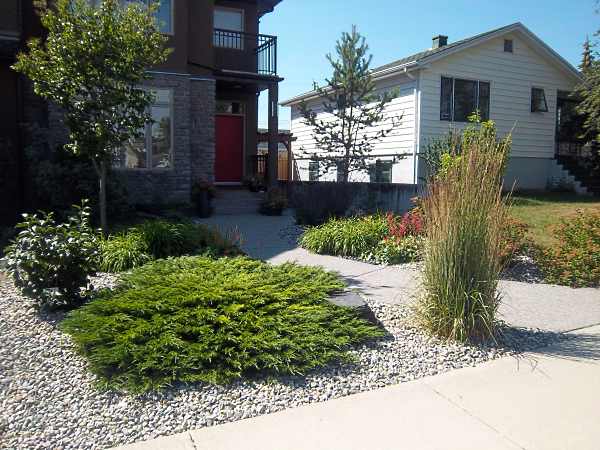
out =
column 436, row 51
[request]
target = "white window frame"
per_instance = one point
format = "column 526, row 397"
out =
column 454, row 78
column 543, row 89
column 148, row 136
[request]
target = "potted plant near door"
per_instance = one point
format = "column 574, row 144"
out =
column 274, row 202
column 202, row 194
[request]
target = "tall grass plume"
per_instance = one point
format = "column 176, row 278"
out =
column 464, row 215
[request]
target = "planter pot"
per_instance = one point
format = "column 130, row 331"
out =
column 203, row 204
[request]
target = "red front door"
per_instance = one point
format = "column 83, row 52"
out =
column 230, row 148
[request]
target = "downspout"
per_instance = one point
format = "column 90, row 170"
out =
column 417, row 129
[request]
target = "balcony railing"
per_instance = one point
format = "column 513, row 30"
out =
column 259, row 50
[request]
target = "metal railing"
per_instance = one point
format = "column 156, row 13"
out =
column 263, row 47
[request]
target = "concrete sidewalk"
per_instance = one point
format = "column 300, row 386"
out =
column 548, row 400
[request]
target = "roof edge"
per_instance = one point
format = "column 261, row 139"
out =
column 310, row 95
column 469, row 42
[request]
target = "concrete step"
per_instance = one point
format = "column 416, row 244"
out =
column 237, row 201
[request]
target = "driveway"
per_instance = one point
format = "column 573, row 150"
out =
column 548, row 307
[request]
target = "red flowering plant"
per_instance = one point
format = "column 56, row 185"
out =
column 410, row 224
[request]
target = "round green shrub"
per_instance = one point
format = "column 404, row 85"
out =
column 51, row 262
column 199, row 319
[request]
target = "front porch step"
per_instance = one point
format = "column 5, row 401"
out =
column 230, row 201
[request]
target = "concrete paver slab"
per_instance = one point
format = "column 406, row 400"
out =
column 546, row 401
column 391, row 418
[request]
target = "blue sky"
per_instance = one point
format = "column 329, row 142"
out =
column 307, row 31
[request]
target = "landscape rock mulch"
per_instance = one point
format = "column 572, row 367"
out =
column 49, row 400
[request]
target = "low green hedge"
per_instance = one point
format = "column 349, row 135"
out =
column 369, row 238
column 157, row 239
column 199, row 319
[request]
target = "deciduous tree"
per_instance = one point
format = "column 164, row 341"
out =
column 92, row 64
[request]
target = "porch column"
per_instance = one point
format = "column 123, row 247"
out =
column 273, row 134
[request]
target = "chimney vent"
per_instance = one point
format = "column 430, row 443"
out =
column 440, row 41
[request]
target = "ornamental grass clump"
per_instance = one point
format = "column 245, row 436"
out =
column 200, row 319
column 465, row 213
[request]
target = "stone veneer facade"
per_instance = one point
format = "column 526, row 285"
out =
column 193, row 144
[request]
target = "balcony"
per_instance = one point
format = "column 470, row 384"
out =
column 245, row 52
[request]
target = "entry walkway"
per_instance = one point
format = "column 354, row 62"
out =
column 553, row 308
column 541, row 401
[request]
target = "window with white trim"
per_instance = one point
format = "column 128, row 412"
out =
column 538, row 100
column 313, row 171
column 154, row 149
column 460, row 98
column 380, row 171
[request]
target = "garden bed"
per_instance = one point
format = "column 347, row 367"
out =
column 50, row 399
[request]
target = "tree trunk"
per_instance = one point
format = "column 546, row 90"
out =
column 102, row 177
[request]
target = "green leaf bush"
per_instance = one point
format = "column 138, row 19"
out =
column 157, row 239
column 51, row 262
column 575, row 260
column 396, row 251
column 348, row 237
column 379, row 239
column 200, row 319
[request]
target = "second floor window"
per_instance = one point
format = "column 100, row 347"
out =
column 461, row 98
column 229, row 24
column 164, row 14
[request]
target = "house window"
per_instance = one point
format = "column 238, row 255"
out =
column 229, row 107
column 340, row 171
column 313, row 171
column 381, row 172
column 461, row 98
column 154, row 149
column 508, row 45
column 164, row 13
column 229, row 24
column 538, row 100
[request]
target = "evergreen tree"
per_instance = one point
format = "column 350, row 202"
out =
column 347, row 137
column 588, row 91
column 588, row 57
column 91, row 65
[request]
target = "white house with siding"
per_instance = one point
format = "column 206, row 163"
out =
column 510, row 75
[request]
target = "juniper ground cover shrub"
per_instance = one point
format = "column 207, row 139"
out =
column 200, row 319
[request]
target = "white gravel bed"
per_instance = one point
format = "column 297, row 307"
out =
column 48, row 399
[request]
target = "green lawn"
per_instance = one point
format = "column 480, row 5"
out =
column 543, row 210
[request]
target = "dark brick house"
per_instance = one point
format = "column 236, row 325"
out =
column 206, row 112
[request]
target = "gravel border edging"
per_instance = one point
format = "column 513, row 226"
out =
column 49, row 399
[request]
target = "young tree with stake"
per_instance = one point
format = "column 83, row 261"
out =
column 346, row 139
column 91, row 65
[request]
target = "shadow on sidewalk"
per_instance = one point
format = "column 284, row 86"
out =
column 582, row 347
